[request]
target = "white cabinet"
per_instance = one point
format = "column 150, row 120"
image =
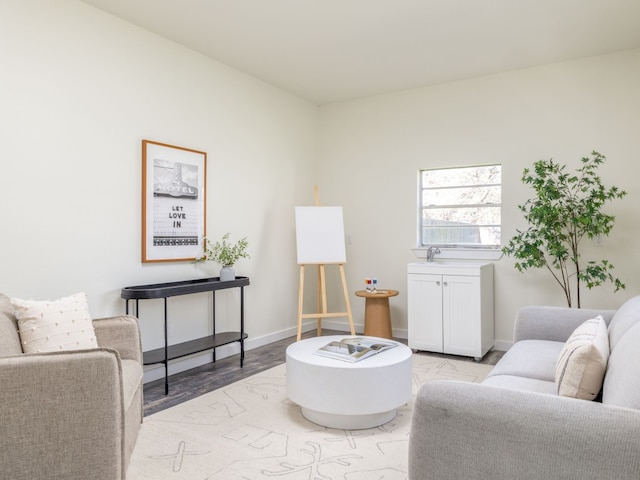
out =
column 451, row 308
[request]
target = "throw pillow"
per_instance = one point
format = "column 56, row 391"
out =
column 583, row 360
column 63, row 324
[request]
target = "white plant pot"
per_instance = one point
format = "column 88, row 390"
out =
column 227, row 273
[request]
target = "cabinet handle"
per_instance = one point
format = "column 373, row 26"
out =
column 445, row 284
column 438, row 283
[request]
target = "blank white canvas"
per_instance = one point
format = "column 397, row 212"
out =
column 320, row 235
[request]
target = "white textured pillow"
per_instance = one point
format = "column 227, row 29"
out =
column 583, row 360
column 63, row 324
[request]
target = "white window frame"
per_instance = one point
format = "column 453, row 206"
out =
column 451, row 251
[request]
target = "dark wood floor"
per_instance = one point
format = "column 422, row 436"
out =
column 206, row 378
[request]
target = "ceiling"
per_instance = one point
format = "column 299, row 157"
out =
column 334, row 50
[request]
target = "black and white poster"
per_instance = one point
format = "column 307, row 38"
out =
column 173, row 202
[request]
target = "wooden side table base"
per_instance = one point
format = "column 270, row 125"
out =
column 377, row 316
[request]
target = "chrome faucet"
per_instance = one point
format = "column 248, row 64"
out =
column 432, row 252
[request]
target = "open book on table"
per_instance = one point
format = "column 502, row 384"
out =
column 354, row 349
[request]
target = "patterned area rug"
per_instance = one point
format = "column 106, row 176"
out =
column 250, row 430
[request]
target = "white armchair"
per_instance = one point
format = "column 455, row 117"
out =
column 71, row 414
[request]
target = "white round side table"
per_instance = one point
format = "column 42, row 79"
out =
column 350, row 396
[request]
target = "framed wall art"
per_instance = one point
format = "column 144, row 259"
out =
column 173, row 202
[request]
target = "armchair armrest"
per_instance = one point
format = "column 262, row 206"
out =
column 121, row 333
column 61, row 415
column 552, row 323
column 473, row 431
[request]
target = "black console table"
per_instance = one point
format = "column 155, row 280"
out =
column 210, row 342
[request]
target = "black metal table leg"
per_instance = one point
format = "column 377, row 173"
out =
column 166, row 350
column 241, row 327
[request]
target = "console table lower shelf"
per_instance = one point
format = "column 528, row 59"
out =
column 197, row 345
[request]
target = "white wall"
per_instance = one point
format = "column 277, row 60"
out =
column 79, row 90
column 372, row 148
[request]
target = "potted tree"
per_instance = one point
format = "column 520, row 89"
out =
column 566, row 209
column 225, row 254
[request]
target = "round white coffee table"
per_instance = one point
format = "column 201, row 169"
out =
column 350, row 396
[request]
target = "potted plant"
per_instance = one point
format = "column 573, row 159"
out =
column 225, row 254
column 566, row 209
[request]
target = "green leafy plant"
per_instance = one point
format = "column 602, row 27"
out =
column 567, row 208
column 223, row 252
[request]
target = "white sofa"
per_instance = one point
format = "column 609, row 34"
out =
column 514, row 425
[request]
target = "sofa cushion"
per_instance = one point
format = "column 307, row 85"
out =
column 9, row 338
column 63, row 324
column 131, row 380
column 622, row 381
column 583, row 361
column 626, row 317
column 530, row 359
column 522, row 384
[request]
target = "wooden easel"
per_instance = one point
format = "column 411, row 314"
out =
column 322, row 294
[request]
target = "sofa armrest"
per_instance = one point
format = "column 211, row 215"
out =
column 122, row 333
column 61, row 415
column 552, row 323
column 474, row 431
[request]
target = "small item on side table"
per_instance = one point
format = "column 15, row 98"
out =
column 371, row 284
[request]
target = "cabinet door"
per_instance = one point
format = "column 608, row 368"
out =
column 461, row 315
column 425, row 312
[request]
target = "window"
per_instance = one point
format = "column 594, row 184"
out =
column 460, row 207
